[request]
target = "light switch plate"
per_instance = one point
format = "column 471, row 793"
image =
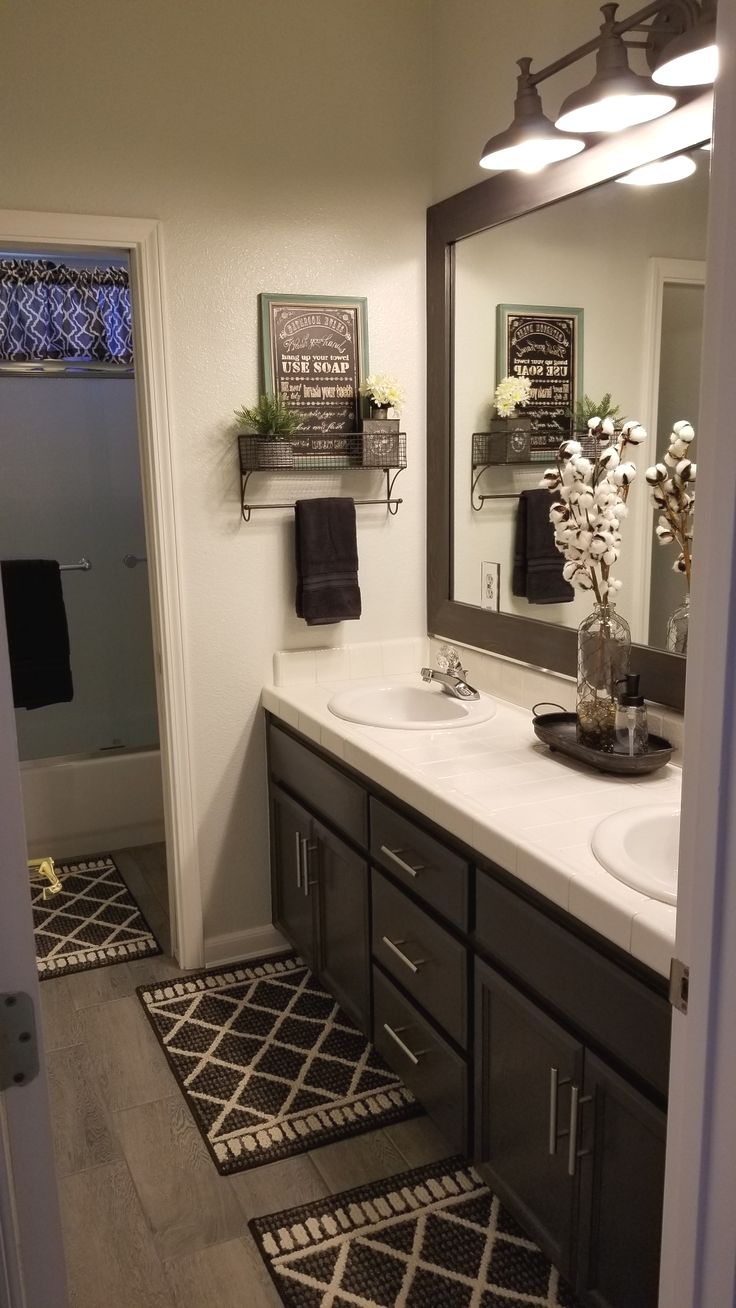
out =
column 490, row 580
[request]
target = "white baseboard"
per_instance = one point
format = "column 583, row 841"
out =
column 236, row 946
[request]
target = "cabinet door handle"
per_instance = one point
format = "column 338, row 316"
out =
column 412, row 964
column 396, row 1037
column 576, row 1103
column 554, row 1085
column 393, row 854
column 298, row 860
column 307, row 847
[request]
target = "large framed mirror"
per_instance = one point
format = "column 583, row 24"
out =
column 618, row 272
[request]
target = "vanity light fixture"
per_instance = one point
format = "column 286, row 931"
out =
column 691, row 58
column 531, row 142
column 617, row 97
column 661, row 171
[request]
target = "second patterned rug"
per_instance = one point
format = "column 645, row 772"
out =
column 268, row 1062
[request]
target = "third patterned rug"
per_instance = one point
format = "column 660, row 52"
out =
column 269, row 1063
column 435, row 1237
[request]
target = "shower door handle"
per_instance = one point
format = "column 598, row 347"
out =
column 132, row 560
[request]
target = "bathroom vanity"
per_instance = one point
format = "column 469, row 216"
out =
column 538, row 1046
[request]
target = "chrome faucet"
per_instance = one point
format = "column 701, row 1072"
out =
column 450, row 674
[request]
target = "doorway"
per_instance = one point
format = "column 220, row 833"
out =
column 129, row 743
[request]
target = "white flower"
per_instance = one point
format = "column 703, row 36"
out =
column 383, row 389
column 510, row 393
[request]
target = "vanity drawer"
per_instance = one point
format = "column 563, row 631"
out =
column 607, row 1004
column 425, row 1063
column 424, row 958
column 322, row 787
column 432, row 871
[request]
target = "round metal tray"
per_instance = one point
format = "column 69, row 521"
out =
column 559, row 732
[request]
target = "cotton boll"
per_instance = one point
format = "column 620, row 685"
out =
column 598, row 545
column 670, row 460
column 586, row 500
column 581, row 465
column 570, row 448
column 614, row 585
column 583, row 581
column 594, row 424
column 568, row 475
column 559, row 513
column 683, row 469
column 608, row 427
column 637, row 434
column 550, row 479
column 609, row 458
column 622, row 510
column 678, row 449
column 664, row 534
column 693, row 472
column 570, row 570
column 610, row 557
column 679, row 564
column 624, row 474
column 684, row 431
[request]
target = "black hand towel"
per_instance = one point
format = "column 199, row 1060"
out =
column 326, row 561
column 538, row 563
column 38, row 636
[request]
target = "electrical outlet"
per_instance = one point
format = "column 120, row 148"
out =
column 490, row 580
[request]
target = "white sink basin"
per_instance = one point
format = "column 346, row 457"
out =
column 413, row 708
column 640, row 847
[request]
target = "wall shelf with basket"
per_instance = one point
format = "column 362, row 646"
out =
column 318, row 453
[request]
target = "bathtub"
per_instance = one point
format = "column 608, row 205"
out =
column 89, row 804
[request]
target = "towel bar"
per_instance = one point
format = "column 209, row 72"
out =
column 389, row 501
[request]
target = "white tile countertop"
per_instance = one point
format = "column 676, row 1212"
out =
column 498, row 789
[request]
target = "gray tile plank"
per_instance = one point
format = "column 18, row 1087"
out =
column 187, row 1203
column 61, row 1024
column 279, row 1185
column 419, row 1142
column 225, row 1276
column 99, row 985
column 110, row 1254
column 128, row 1061
column 83, row 1133
column 357, row 1161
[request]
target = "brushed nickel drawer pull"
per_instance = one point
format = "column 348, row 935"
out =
column 412, row 964
column 576, row 1103
column 405, row 867
column 307, row 847
column 298, row 860
column 396, row 1037
column 554, row 1085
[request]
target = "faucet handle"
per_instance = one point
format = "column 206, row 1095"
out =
column 448, row 660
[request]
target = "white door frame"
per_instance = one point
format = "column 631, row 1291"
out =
column 141, row 239
column 661, row 272
column 699, row 1246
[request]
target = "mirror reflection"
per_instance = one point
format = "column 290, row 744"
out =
column 596, row 303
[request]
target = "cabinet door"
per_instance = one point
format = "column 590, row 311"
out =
column 343, row 960
column 293, row 898
column 622, row 1189
column 525, row 1070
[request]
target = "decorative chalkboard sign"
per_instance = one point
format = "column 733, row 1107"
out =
column 315, row 355
column 546, row 345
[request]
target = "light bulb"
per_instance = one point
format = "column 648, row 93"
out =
column 614, row 113
column 660, row 172
column 695, row 68
column 532, row 155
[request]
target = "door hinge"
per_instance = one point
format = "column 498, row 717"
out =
column 18, row 1043
column 679, row 985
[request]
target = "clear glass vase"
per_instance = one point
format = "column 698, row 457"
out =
column 604, row 653
column 677, row 628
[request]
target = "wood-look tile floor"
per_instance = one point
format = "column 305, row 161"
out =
column 148, row 1222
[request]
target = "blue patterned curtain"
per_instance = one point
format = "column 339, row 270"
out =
column 51, row 311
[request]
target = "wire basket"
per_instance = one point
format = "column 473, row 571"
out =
column 320, row 452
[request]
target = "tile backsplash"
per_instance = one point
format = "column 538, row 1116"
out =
column 517, row 683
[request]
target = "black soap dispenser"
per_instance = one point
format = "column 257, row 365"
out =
column 631, row 730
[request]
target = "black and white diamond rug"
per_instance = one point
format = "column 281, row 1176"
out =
column 269, row 1063
column 93, row 922
column 432, row 1238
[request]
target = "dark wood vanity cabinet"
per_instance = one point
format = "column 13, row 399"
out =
column 575, row 1150
column 538, row 1048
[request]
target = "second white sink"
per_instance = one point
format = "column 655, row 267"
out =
column 406, row 707
column 640, row 847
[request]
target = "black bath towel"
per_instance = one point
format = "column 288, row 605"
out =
column 538, row 563
column 38, row 637
column 326, row 561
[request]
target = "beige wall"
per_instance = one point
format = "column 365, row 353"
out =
column 284, row 147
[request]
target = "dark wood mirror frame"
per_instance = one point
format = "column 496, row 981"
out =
column 498, row 200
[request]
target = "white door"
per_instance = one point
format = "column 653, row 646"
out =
column 31, row 1252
